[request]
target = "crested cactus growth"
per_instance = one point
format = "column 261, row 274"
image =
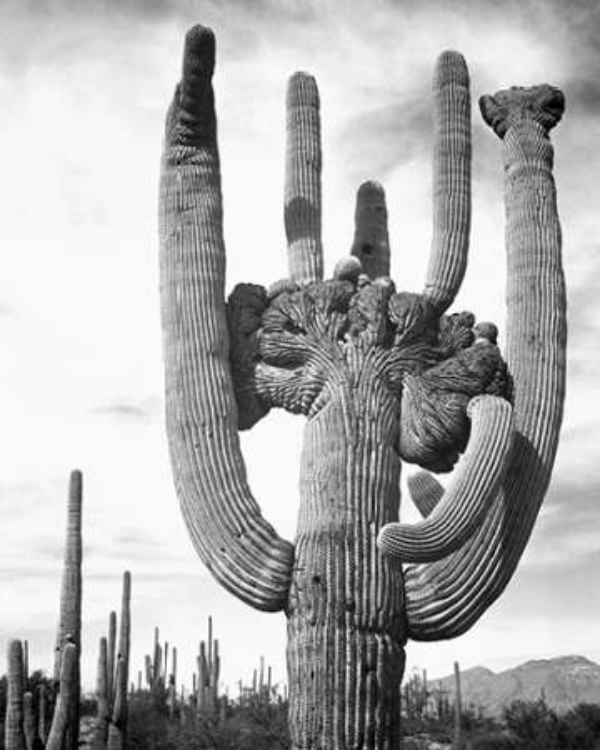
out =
column 69, row 624
column 382, row 376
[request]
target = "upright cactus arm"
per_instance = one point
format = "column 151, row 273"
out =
column 302, row 200
column 451, row 180
column 238, row 546
column 468, row 497
column 444, row 599
column 371, row 243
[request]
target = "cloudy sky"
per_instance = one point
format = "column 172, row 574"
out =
column 84, row 87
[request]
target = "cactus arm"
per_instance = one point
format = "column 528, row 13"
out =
column 241, row 550
column 302, row 200
column 371, row 243
column 475, row 483
column 451, row 180
column 69, row 690
column 14, row 735
column 425, row 492
column 444, row 599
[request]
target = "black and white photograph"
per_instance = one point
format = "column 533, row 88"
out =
column 299, row 414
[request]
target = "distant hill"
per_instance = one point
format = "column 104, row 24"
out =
column 564, row 682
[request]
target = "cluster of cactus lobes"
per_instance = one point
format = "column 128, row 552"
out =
column 382, row 376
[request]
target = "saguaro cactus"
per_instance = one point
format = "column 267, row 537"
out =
column 69, row 624
column 112, row 678
column 382, row 376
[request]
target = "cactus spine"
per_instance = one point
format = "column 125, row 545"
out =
column 382, row 376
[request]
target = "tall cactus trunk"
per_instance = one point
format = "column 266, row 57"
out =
column 346, row 623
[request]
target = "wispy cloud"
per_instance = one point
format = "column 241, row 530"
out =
column 134, row 411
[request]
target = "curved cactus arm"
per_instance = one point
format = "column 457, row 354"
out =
column 451, row 180
column 302, row 206
column 239, row 547
column 444, row 599
column 475, row 483
column 425, row 492
column 371, row 243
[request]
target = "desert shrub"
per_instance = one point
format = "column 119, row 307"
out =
column 493, row 740
column 579, row 728
column 533, row 724
column 244, row 728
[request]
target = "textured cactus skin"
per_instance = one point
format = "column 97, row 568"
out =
column 382, row 376
column 14, row 735
column 69, row 624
